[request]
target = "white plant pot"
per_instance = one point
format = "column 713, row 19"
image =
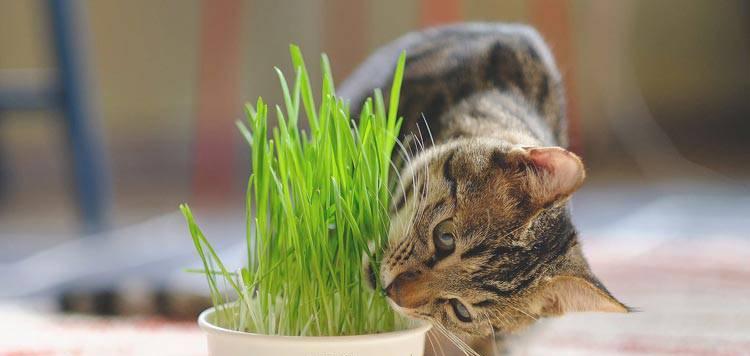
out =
column 225, row 342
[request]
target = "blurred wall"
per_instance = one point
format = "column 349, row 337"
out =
column 686, row 60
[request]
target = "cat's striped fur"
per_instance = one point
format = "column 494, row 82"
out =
column 482, row 240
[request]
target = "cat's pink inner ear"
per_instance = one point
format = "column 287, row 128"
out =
column 559, row 172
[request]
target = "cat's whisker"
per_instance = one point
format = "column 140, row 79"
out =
column 450, row 336
column 440, row 345
column 401, row 145
column 428, row 176
column 429, row 340
column 404, row 152
column 492, row 332
column 523, row 312
column 439, row 327
column 418, row 193
column 429, row 131
column 408, row 158
column 413, row 172
column 421, row 138
column 412, row 142
column 513, row 231
column 417, row 146
column 466, row 349
column 423, row 193
column 432, row 344
column 400, row 182
column 502, row 318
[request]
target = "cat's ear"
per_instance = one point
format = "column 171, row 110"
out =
column 565, row 294
column 573, row 288
column 553, row 173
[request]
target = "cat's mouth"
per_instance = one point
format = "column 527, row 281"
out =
column 398, row 308
column 397, row 305
column 409, row 312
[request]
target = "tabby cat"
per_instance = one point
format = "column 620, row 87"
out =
column 482, row 241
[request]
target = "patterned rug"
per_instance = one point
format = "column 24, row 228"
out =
column 694, row 297
column 27, row 333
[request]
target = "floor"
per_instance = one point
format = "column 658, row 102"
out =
column 678, row 252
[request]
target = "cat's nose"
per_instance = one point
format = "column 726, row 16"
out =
column 407, row 289
column 400, row 280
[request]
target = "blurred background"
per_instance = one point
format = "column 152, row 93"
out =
column 114, row 112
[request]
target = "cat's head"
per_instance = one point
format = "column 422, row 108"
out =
column 481, row 238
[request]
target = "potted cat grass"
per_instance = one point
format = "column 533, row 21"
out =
column 316, row 204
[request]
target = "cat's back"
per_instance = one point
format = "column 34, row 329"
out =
column 447, row 64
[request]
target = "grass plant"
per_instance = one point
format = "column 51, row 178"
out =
column 316, row 198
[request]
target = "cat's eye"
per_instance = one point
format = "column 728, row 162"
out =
column 444, row 239
column 460, row 310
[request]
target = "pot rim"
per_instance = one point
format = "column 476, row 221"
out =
column 421, row 327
